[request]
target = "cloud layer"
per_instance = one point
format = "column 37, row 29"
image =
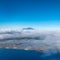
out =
column 47, row 42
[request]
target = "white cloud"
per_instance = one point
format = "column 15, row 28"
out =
column 47, row 42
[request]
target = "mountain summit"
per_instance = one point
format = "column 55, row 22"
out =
column 29, row 28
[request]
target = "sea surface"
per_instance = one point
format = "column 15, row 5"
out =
column 13, row 54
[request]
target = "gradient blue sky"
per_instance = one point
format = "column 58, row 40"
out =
column 28, row 13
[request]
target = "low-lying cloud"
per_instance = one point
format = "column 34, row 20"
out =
column 44, row 41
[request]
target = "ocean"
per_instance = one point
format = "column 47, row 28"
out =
column 16, row 54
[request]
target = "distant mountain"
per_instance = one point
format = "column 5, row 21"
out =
column 29, row 28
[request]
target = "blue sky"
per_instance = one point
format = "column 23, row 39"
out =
column 30, row 13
